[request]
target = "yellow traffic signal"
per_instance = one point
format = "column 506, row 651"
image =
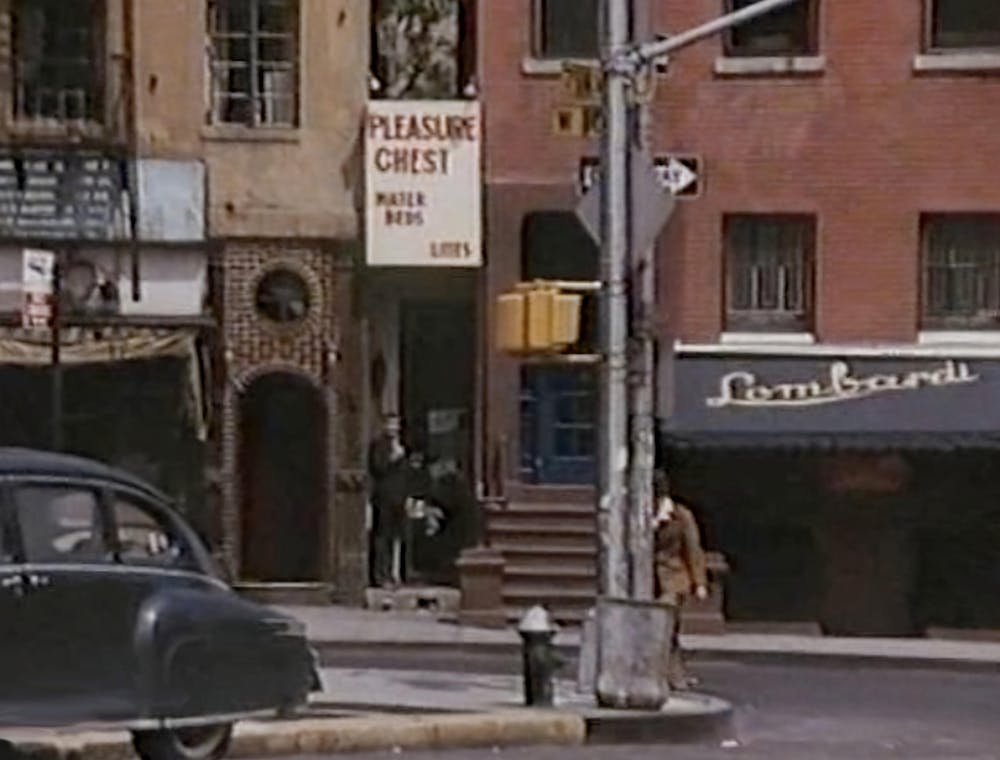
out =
column 538, row 318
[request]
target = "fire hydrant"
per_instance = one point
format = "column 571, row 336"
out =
column 539, row 657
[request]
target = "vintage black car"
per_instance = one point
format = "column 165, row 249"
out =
column 111, row 611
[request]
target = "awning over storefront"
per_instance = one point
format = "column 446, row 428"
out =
column 818, row 403
column 92, row 345
column 83, row 346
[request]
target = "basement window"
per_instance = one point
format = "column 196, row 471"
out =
column 254, row 62
column 57, row 59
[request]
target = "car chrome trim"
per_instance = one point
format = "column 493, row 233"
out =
column 111, row 568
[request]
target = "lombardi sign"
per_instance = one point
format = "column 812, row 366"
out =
column 422, row 190
column 744, row 389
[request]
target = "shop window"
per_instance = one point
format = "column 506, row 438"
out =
column 566, row 28
column 57, row 59
column 791, row 30
column 559, row 403
column 769, row 270
column 254, row 62
column 961, row 271
column 963, row 24
column 283, row 296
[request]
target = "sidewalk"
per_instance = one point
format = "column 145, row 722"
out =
column 339, row 626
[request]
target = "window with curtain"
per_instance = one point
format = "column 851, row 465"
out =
column 254, row 62
column 769, row 270
column 961, row 271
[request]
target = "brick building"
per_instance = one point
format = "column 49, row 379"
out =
column 829, row 307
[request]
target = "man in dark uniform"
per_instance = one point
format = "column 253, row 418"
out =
column 680, row 567
column 389, row 475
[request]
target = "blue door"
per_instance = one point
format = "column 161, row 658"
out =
column 558, row 425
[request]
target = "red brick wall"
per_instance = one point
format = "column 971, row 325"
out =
column 867, row 145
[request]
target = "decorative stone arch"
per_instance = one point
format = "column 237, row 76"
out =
column 247, row 377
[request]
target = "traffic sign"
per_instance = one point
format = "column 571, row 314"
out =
column 37, row 268
column 679, row 174
column 652, row 203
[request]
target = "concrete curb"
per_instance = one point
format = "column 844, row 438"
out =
column 332, row 735
column 330, row 652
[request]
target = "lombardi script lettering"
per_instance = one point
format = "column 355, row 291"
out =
column 743, row 388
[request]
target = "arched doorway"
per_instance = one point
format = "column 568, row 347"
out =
column 283, row 479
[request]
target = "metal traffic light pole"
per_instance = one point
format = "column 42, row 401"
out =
column 624, row 523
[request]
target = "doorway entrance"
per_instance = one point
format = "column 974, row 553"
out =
column 283, row 478
column 438, row 404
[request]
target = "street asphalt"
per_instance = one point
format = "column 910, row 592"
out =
column 801, row 712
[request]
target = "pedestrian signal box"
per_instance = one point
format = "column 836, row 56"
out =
column 539, row 318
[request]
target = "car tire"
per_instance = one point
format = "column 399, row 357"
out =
column 197, row 743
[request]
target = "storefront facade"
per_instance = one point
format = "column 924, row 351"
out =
column 851, row 492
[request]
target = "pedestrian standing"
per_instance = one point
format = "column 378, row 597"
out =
column 680, row 568
column 389, row 474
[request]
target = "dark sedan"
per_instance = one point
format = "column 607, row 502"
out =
column 111, row 612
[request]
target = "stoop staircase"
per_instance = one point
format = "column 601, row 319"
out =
column 550, row 555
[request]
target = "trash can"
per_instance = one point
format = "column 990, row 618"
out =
column 633, row 652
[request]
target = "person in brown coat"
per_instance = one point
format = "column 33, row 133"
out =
column 679, row 562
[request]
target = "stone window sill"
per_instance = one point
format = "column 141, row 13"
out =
column 777, row 65
column 959, row 338
column 767, row 338
column 236, row 133
column 956, row 62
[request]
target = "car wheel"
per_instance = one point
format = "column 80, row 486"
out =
column 194, row 743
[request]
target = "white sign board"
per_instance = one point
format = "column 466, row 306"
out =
column 36, row 281
column 423, row 202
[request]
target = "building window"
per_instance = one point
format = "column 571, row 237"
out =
column 559, row 404
column 254, row 55
column 769, row 264
column 791, row 30
column 963, row 24
column 57, row 59
column 566, row 29
column 961, row 271
column 283, row 296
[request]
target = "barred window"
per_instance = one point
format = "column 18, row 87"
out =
column 566, row 28
column 961, row 282
column 963, row 24
column 57, row 57
column 769, row 263
column 791, row 30
column 254, row 62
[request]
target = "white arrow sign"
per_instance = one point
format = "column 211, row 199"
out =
column 672, row 173
column 675, row 176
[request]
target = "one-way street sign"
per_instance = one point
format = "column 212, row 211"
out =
column 679, row 174
column 652, row 203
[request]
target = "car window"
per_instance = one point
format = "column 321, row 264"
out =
column 145, row 537
column 59, row 524
column 6, row 539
